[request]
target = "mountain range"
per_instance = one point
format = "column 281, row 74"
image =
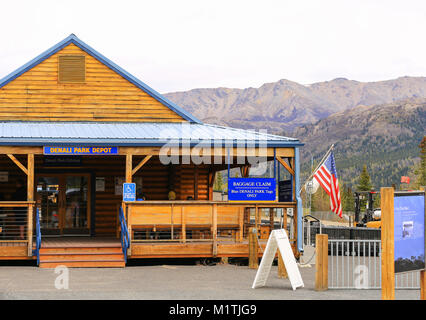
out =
column 285, row 105
column 379, row 124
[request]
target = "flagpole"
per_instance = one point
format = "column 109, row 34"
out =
column 319, row 165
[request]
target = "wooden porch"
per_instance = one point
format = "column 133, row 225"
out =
column 177, row 229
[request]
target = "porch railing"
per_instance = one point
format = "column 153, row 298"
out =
column 201, row 221
column 38, row 237
column 16, row 224
column 125, row 239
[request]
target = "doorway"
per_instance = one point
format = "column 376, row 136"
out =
column 64, row 203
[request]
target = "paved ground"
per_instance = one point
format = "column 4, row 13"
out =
column 168, row 282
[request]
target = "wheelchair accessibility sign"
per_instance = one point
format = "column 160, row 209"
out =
column 129, row 191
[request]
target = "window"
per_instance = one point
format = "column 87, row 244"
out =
column 72, row 69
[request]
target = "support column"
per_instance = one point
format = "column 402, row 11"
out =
column 299, row 208
column 388, row 261
column 129, row 168
column 30, row 197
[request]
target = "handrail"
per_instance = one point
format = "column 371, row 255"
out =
column 38, row 237
column 125, row 238
column 247, row 204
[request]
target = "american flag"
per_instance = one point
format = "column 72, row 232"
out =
column 326, row 175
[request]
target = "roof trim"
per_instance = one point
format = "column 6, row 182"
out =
column 72, row 38
column 133, row 142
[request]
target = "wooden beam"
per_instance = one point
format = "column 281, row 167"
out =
column 253, row 249
column 214, row 229
column 30, row 197
column 20, row 165
column 30, row 178
column 293, row 187
column 212, row 175
column 196, row 183
column 387, row 235
column 129, row 166
column 143, row 161
column 286, row 165
column 182, row 213
column 282, row 152
column 20, row 150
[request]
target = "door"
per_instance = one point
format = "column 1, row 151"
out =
column 64, row 201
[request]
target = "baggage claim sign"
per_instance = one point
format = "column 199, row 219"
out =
column 79, row 150
column 251, row 189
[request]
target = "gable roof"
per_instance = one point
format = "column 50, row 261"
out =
column 85, row 47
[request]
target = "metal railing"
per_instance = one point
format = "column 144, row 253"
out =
column 36, row 251
column 13, row 223
column 356, row 264
column 341, row 232
column 308, row 235
column 125, row 238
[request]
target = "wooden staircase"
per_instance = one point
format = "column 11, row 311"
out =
column 80, row 254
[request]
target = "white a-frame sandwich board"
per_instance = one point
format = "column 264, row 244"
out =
column 278, row 239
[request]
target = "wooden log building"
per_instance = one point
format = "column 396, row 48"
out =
column 74, row 127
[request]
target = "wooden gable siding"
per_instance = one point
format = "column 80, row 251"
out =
column 105, row 96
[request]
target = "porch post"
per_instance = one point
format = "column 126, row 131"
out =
column 299, row 208
column 30, row 197
column 129, row 167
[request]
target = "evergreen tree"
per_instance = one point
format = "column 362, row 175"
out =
column 218, row 182
column 364, row 183
column 421, row 169
column 348, row 203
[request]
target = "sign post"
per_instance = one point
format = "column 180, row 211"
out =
column 388, row 266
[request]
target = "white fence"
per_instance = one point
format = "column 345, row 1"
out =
column 356, row 264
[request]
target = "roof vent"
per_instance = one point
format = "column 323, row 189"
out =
column 72, row 69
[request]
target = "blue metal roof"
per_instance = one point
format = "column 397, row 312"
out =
column 132, row 134
column 85, row 47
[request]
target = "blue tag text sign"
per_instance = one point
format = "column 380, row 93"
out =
column 251, row 189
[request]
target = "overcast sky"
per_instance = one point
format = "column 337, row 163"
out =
column 181, row 45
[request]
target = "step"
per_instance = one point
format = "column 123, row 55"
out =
column 84, row 264
column 81, row 256
column 76, row 250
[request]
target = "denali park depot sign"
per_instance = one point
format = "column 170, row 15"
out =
column 251, row 189
column 79, row 150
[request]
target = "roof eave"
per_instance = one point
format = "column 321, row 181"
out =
column 37, row 142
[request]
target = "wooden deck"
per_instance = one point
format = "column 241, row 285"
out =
column 79, row 242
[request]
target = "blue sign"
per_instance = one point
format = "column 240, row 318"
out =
column 251, row 189
column 79, row 150
column 129, row 191
column 409, row 232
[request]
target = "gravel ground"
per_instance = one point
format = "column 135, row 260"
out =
column 192, row 282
